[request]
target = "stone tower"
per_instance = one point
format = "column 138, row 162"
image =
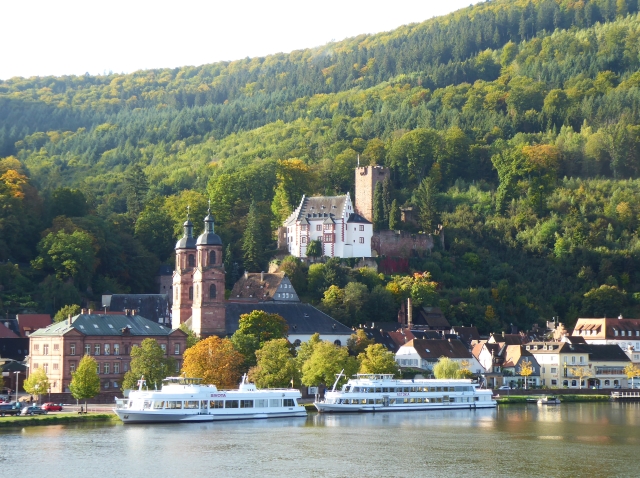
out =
column 366, row 179
column 183, row 276
column 208, row 310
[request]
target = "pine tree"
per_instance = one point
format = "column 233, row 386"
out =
column 394, row 216
column 252, row 244
column 228, row 267
column 426, row 201
column 136, row 188
column 378, row 208
column 387, row 193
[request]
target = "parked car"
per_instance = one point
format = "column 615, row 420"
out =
column 504, row 387
column 33, row 410
column 9, row 409
column 52, row 407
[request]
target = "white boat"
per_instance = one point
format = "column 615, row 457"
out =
column 381, row 392
column 550, row 400
column 184, row 399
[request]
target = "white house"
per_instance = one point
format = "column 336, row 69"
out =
column 332, row 219
column 425, row 353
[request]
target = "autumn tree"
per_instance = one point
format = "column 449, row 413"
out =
column 631, row 371
column 37, row 383
column 192, row 338
column 326, row 361
column 254, row 330
column 377, row 359
column 358, row 342
column 526, row 370
column 446, row 368
column 275, row 366
column 85, row 381
column 148, row 360
column 580, row 373
column 215, row 361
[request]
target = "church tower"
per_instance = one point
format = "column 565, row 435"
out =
column 183, row 276
column 208, row 311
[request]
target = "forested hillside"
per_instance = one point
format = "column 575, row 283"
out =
column 515, row 124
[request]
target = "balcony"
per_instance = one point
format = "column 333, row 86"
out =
column 609, row 371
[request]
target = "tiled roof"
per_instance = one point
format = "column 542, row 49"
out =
column 466, row 333
column 434, row 349
column 95, row 324
column 357, row 218
column 29, row 323
column 318, row 207
column 258, row 286
column 606, row 353
column 512, row 355
column 433, row 317
column 154, row 307
column 6, row 333
column 302, row 318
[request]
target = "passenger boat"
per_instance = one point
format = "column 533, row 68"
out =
column 381, row 392
column 184, row 399
column 549, row 400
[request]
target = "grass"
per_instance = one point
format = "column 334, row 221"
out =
column 38, row 420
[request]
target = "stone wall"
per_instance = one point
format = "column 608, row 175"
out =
column 400, row 243
column 366, row 179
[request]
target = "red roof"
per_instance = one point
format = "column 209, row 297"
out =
column 29, row 323
column 7, row 333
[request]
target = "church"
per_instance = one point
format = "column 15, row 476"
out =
column 198, row 294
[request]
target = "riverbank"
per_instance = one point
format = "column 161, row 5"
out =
column 58, row 419
column 563, row 398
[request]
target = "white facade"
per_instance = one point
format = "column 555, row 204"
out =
column 408, row 356
column 332, row 219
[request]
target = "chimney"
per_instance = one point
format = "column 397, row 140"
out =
column 246, row 274
column 262, row 276
column 83, row 311
column 409, row 313
column 69, row 319
column 503, row 333
column 90, row 311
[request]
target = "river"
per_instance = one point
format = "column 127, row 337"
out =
column 584, row 439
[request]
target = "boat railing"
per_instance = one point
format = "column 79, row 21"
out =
column 121, row 403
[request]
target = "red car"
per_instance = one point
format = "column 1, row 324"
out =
column 52, row 407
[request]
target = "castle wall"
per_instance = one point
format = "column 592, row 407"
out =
column 400, row 244
column 366, row 179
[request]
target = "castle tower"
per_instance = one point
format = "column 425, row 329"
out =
column 183, row 276
column 366, row 179
column 208, row 310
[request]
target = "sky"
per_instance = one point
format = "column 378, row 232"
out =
column 45, row 37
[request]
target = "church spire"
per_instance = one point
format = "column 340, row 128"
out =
column 208, row 221
column 188, row 226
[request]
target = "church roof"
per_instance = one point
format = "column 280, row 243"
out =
column 208, row 237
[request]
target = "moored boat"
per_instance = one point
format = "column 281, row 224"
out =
column 184, row 399
column 549, row 400
column 381, row 392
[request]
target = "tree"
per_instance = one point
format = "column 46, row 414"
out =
column 395, row 216
column 377, row 359
column 387, row 193
column 37, row 383
column 378, row 208
column 65, row 312
column 306, row 349
column 297, row 272
column 581, row 373
column 358, row 342
column 606, row 300
column 254, row 330
column 314, row 249
column 252, row 244
column 68, row 202
column 136, row 187
column 215, row 361
column 425, row 198
column 631, row 371
column 192, row 338
column 154, row 229
column 69, row 256
column 326, row 361
column 526, row 369
column 446, row 368
column 148, row 360
column 275, row 366
column 85, row 381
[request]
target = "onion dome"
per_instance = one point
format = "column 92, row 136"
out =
column 187, row 241
column 208, row 237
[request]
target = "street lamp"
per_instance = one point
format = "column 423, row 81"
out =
column 16, row 372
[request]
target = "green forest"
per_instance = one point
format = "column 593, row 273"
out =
column 515, row 124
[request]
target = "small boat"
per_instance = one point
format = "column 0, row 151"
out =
column 183, row 399
column 549, row 400
column 381, row 392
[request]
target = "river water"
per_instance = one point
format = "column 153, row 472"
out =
column 589, row 439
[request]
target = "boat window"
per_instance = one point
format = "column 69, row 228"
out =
column 363, row 401
column 378, row 390
column 385, row 389
column 378, row 401
column 370, row 401
column 231, row 404
column 392, row 401
column 439, row 389
column 147, row 404
column 173, row 404
column 203, row 404
column 261, row 403
column 216, row 404
column 191, row 404
column 275, row 402
column 406, row 389
column 288, row 402
column 346, row 388
column 445, row 398
column 356, row 389
column 246, row 403
column 158, row 404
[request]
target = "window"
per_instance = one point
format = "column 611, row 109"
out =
column 45, row 367
column 98, row 369
column 319, row 227
column 573, row 359
column 361, row 240
column 56, row 347
column 116, row 367
column 72, row 349
column 96, row 349
column 106, row 384
column 581, row 359
column 177, row 366
column 216, row 404
column 126, row 349
column 212, row 258
column 304, row 240
column 45, row 349
column 554, row 370
column 212, row 291
column 35, row 365
column 176, row 349
column 275, row 402
column 231, row 404
column 246, row 403
column 574, row 383
column 106, row 368
column 107, row 349
column 164, row 348
column 287, row 402
column 337, row 342
column 362, row 228
column 55, row 366
column 36, row 347
column 125, row 366
column 116, row 349
column 87, row 349
column 192, row 404
column 191, row 260
column 190, row 293
column 72, row 367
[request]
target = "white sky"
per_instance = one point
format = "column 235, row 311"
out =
column 57, row 37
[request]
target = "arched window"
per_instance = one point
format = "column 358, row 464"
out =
column 297, row 343
column 190, row 293
column 212, row 291
column 212, row 258
column 337, row 342
column 192, row 260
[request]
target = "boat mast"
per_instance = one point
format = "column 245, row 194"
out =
column 338, row 375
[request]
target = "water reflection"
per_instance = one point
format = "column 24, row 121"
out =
column 566, row 440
